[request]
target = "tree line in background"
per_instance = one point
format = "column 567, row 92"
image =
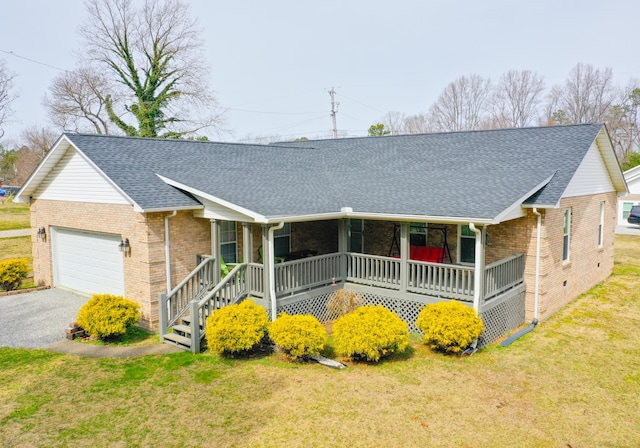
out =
column 520, row 99
column 142, row 73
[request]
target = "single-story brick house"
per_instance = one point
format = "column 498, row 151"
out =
column 514, row 222
column 632, row 177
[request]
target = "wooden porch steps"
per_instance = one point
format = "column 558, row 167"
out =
column 181, row 334
column 178, row 340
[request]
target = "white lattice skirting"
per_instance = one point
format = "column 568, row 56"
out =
column 500, row 316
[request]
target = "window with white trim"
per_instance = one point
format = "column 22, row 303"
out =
column 466, row 245
column 601, row 226
column 228, row 241
column 566, row 239
column 356, row 235
column 418, row 234
column 282, row 241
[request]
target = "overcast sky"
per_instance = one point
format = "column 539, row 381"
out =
column 274, row 62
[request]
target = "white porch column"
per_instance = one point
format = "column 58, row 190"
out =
column 268, row 263
column 343, row 245
column 247, row 242
column 478, row 273
column 404, row 256
column 215, row 248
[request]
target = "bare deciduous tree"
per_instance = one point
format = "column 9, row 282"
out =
column 6, row 95
column 26, row 154
column 516, row 99
column 461, row 106
column 622, row 122
column 585, row 97
column 416, row 124
column 393, row 122
column 155, row 52
column 76, row 101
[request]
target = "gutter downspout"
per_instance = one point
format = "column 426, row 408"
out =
column 167, row 250
column 272, row 273
column 536, row 293
column 477, row 277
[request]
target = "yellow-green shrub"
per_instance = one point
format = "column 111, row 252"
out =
column 12, row 272
column 236, row 328
column 298, row 336
column 369, row 333
column 449, row 326
column 106, row 316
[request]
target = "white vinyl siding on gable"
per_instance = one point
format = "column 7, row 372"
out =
column 591, row 177
column 74, row 179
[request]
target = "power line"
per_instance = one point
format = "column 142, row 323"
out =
column 273, row 113
column 362, row 104
column 32, row 60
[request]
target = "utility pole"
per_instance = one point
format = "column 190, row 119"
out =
column 334, row 110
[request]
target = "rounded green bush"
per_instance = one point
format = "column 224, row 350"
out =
column 449, row 326
column 106, row 316
column 236, row 328
column 12, row 272
column 298, row 336
column 370, row 333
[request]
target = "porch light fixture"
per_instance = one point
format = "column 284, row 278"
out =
column 42, row 234
column 124, row 246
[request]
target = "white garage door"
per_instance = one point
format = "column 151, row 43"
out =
column 88, row 262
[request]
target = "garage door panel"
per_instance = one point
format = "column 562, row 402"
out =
column 88, row 262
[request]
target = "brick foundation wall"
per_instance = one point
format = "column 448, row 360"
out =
column 144, row 267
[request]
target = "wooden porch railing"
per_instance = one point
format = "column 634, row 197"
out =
column 307, row 273
column 443, row 280
column 373, row 270
column 176, row 302
column 502, row 275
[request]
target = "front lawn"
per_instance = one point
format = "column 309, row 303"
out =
column 574, row 381
column 14, row 216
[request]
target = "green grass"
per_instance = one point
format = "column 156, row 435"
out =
column 133, row 336
column 572, row 382
column 14, row 216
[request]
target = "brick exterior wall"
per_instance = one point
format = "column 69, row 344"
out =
column 144, row 267
column 588, row 264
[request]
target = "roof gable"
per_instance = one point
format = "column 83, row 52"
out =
column 591, row 176
column 73, row 178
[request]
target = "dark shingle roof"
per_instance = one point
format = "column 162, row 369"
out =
column 475, row 174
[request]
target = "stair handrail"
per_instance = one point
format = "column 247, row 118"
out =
column 197, row 306
column 174, row 304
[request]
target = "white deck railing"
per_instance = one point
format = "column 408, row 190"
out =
column 307, row 273
column 373, row 270
column 503, row 274
column 443, row 280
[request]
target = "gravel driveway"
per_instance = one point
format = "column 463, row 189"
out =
column 37, row 319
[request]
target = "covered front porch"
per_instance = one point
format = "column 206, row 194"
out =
column 303, row 285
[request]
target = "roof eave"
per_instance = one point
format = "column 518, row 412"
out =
column 251, row 215
column 379, row 217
